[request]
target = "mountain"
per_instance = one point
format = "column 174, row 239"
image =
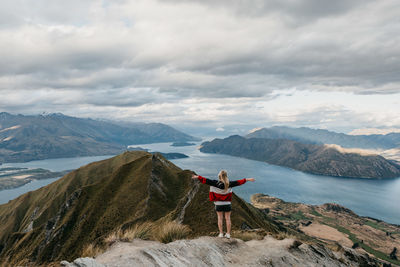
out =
column 159, row 132
column 319, row 136
column 315, row 159
column 58, row 221
column 25, row 138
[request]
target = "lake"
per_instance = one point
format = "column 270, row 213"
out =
column 375, row 198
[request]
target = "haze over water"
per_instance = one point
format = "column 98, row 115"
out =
column 374, row 198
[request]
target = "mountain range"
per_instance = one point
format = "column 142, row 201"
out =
column 26, row 138
column 320, row 136
column 315, row 159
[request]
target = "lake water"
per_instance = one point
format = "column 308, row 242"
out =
column 375, row 198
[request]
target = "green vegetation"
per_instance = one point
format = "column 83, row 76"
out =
column 326, row 219
column 375, row 225
column 367, row 248
column 315, row 213
column 299, row 215
column 282, row 218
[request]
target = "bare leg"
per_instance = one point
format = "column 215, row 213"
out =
column 228, row 222
column 220, row 215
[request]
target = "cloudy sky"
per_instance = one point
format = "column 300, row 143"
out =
column 221, row 65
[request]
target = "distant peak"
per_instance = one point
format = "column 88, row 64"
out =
column 371, row 131
column 57, row 114
column 235, row 136
column 255, row 129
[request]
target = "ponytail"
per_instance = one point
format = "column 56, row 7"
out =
column 223, row 177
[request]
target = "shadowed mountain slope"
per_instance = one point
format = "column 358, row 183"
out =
column 57, row 221
column 315, row 159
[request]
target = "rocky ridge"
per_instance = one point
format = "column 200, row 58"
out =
column 211, row 251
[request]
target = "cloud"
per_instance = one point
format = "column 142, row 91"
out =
column 151, row 58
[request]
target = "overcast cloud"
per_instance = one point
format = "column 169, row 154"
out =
column 329, row 64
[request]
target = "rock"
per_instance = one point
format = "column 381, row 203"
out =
column 245, row 226
column 296, row 244
column 337, row 208
column 209, row 251
column 82, row 262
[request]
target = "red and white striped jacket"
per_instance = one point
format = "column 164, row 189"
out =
column 217, row 190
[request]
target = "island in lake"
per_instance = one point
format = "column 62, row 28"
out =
column 16, row 177
column 183, row 144
column 173, row 155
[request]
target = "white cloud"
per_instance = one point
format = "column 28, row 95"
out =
column 214, row 62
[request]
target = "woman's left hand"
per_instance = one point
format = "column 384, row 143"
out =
column 250, row 179
column 194, row 176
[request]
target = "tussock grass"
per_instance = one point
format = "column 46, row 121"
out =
column 5, row 263
column 284, row 235
column 92, row 251
column 247, row 236
column 171, row 231
column 114, row 237
column 142, row 231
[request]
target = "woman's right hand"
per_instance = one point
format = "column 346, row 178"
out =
column 194, row 176
column 250, row 179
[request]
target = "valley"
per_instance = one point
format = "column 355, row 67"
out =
column 335, row 224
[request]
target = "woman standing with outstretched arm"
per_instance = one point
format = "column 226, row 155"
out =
column 221, row 195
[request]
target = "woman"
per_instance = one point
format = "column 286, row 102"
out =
column 221, row 195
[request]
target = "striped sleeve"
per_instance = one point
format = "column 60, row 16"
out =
column 237, row 182
column 204, row 180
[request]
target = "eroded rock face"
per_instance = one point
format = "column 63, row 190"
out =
column 337, row 208
column 210, row 251
column 82, row 262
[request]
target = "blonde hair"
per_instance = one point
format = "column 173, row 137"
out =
column 223, row 177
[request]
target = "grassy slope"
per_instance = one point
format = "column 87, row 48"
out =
column 344, row 220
